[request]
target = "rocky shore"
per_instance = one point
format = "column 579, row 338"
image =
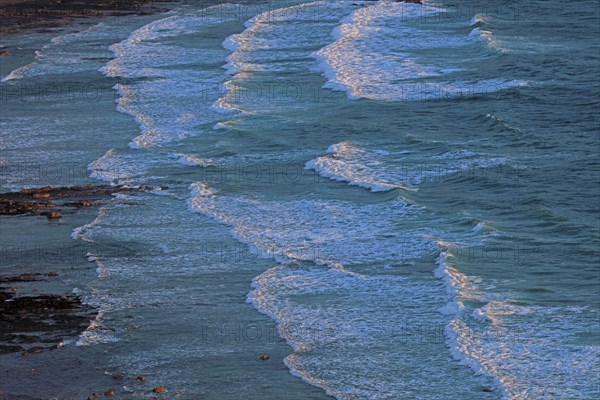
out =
column 54, row 202
column 33, row 322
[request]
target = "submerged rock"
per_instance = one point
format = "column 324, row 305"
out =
column 33, row 324
column 22, row 278
column 54, row 215
column 45, row 200
column 159, row 389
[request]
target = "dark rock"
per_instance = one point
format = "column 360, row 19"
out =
column 20, row 278
column 35, row 190
column 54, row 215
column 44, row 321
column 17, row 203
column 11, row 349
column 159, row 389
column 36, row 350
column 79, row 204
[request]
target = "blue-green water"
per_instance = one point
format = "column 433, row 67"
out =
column 410, row 192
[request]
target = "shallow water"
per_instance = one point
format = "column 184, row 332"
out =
column 409, row 192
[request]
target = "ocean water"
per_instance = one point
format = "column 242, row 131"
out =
column 394, row 201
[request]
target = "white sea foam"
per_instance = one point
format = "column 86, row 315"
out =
column 275, row 41
column 376, row 55
column 79, row 232
column 317, row 230
column 520, row 347
column 531, row 351
column 347, row 162
column 189, row 160
column 115, row 167
column 381, row 170
column 347, row 316
column 181, row 80
column 332, row 314
column 70, row 52
column 337, row 325
column 459, row 286
column 201, row 189
column 97, row 332
column 220, row 126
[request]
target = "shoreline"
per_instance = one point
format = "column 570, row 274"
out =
column 44, row 262
column 27, row 304
column 23, row 15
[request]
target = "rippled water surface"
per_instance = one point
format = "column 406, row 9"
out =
column 397, row 200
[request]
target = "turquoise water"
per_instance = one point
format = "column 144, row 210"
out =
column 408, row 193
